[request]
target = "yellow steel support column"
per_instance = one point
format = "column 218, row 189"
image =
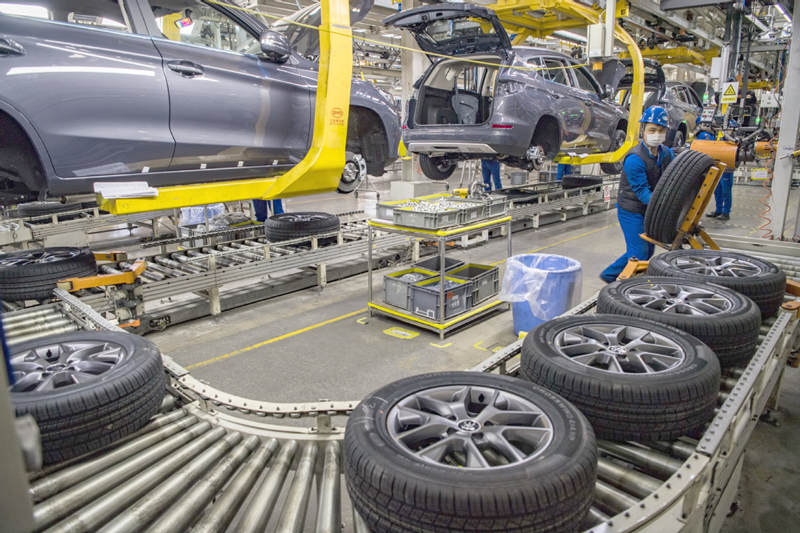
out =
column 320, row 169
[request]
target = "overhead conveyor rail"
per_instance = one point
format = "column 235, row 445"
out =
column 200, row 463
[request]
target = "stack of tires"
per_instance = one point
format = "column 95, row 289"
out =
column 479, row 452
column 86, row 390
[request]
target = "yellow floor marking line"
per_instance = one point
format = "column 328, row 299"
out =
column 364, row 320
column 274, row 339
column 478, row 345
column 401, row 333
column 562, row 241
column 445, row 345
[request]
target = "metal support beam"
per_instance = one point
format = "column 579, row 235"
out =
column 787, row 136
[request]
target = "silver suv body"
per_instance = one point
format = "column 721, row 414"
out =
column 495, row 101
column 165, row 91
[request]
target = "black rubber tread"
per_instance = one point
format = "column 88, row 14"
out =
column 395, row 492
column 36, row 281
column 766, row 288
column 287, row 226
column 34, row 209
column 82, row 418
column 732, row 335
column 615, row 168
column 433, row 172
column 574, row 182
column 674, row 194
column 635, row 407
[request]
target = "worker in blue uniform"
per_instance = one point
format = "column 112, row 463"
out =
column 641, row 170
column 563, row 170
column 262, row 207
column 723, row 194
column 490, row 168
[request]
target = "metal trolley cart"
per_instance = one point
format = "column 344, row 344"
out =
column 441, row 324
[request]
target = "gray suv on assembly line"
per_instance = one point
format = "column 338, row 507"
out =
column 474, row 106
column 166, row 91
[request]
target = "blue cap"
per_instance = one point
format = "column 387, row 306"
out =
column 655, row 114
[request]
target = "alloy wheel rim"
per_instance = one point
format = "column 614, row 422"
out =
column 678, row 298
column 619, row 349
column 31, row 257
column 465, row 426
column 716, row 266
column 53, row 367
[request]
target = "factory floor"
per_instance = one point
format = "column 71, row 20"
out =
column 318, row 344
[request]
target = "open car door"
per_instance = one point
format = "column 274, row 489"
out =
column 454, row 29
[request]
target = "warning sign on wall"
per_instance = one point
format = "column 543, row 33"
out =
column 729, row 93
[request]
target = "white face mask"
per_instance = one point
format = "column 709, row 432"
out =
column 654, row 139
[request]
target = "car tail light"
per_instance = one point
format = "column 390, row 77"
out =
column 502, row 126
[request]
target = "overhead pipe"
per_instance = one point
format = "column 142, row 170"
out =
column 218, row 517
column 111, row 493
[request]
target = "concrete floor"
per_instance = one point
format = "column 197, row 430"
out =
column 315, row 344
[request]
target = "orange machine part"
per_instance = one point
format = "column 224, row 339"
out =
column 764, row 149
column 724, row 151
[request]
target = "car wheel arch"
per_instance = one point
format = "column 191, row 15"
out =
column 547, row 128
column 34, row 143
column 364, row 123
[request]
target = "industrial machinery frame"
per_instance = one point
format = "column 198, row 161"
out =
column 684, row 485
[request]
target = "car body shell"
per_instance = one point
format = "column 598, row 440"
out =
column 100, row 104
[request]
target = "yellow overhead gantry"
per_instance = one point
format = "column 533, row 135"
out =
column 540, row 18
column 320, row 169
column 679, row 54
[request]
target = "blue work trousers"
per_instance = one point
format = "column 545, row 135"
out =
column 261, row 208
column 632, row 225
column 491, row 172
column 563, row 170
column 723, row 194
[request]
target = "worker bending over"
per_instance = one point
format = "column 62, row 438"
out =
column 641, row 170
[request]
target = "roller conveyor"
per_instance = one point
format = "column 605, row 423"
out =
column 211, row 462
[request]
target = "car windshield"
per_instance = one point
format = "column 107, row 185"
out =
column 300, row 27
column 623, row 98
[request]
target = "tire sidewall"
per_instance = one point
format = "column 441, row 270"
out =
column 367, row 429
column 139, row 353
column 538, row 346
column 661, row 265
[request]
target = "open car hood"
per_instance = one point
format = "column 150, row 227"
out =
column 454, row 29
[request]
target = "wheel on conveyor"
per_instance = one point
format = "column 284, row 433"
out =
column 86, row 390
column 33, row 274
column 759, row 280
column 287, row 226
column 633, row 379
column 465, row 451
column 725, row 320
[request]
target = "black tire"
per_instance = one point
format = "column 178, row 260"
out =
column 35, row 209
column 78, row 418
column 674, row 194
column 651, row 399
column 287, row 226
column 574, row 182
column 33, row 274
column 436, row 168
column 616, row 142
column 678, row 140
column 396, row 491
column 732, row 332
column 759, row 280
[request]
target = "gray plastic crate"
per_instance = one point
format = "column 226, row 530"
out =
column 396, row 286
column 485, row 280
column 433, row 264
column 473, row 210
column 497, row 205
column 406, row 216
column 425, row 297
